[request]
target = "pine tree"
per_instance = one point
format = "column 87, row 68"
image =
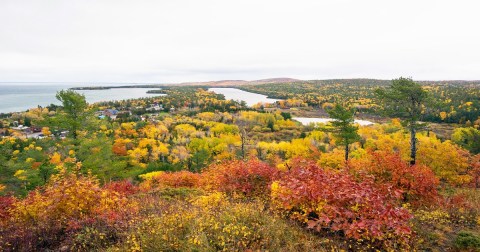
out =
column 406, row 100
column 344, row 129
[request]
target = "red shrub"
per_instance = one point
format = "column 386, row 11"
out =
column 336, row 201
column 123, row 187
column 474, row 171
column 248, row 178
column 6, row 203
column 418, row 182
column 463, row 206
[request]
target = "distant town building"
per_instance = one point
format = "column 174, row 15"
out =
column 112, row 113
column 155, row 107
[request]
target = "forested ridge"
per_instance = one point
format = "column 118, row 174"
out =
column 455, row 101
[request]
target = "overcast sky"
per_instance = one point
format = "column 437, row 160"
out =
column 182, row 40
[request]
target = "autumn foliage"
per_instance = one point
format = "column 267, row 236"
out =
column 123, row 187
column 65, row 206
column 355, row 204
column 339, row 202
column 417, row 183
column 475, row 171
column 242, row 178
column 6, row 202
column 164, row 175
column 170, row 179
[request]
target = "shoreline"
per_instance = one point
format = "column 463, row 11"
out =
column 113, row 87
column 92, row 94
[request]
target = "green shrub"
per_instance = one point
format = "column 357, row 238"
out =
column 467, row 240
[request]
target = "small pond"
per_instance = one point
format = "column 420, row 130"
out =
column 308, row 120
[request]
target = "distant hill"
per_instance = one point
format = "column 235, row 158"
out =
column 363, row 81
column 227, row 83
column 239, row 83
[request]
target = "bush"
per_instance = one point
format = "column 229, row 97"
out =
column 6, row 203
column 463, row 206
column 242, row 178
column 124, row 187
column 467, row 240
column 418, row 182
column 46, row 218
column 162, row 179
column 336, row 202
column 213, row 223
column 474, row 171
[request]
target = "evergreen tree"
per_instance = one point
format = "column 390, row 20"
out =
column 27, row 122
column 406, row 100
column 344, row 129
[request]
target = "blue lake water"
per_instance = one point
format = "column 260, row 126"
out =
column 16, row 97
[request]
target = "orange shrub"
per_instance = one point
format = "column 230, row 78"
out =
column 64, row 207
column 170, row 179
column 119, row 148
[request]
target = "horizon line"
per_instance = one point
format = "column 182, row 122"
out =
column 219, row 80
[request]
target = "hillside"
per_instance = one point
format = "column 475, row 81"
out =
column 233, row 83
column 192, row 171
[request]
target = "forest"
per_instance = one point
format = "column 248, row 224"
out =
column 451, row 101
column 192, row 171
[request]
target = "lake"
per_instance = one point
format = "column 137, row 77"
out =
column 240, row 95
column 308, row 120
column 15, row 97
column 253, row 98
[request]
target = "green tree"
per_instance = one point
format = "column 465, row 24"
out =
column 271, row 124
column 27, row 122
column 468, row 138
column 45, row 171
column 200, row 159
column 98, row 158
column 344, row 129
column 74, row 111
column 406, row 100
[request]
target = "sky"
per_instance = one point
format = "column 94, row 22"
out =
column 168, row 41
